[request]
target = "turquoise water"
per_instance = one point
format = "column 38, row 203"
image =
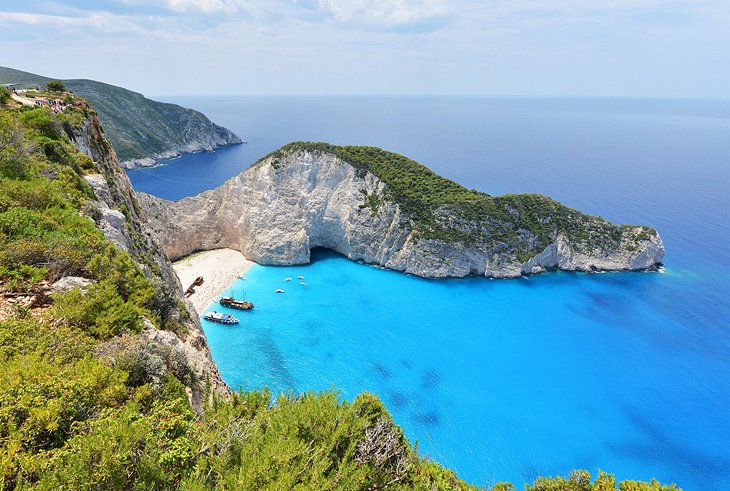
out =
column 497, row 379
column 505, row 380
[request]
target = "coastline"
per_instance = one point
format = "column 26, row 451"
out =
column 219, row 268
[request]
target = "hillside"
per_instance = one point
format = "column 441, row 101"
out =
column 382, row 208
column 140, row 130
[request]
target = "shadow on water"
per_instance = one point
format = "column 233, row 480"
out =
column 382, row 370
column 427, row 418
column 430, row 379
column 397, row 399
column 656, row 445
column 276, row 362
column 678, row 323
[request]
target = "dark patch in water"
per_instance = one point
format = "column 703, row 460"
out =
column 382, row 370
column 276, row 362
column 591, row 313
column 656, row 445
column 329, row 355
column 430, row 379
column 397, row 399
column 406, row 364
column 612, row 304
column 430, row 418
column 687, row 335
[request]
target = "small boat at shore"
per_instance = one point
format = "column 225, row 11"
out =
column 220, row 318
column 236, row 304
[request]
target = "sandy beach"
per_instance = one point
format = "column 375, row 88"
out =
column 218, row 268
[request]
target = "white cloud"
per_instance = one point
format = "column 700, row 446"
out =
column 207, row 6
column 388, row 12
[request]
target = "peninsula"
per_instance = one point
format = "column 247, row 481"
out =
column 382, row 208
column 141, row 131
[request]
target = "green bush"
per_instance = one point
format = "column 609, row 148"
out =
column 101, row 311
column 4, row 95
column 43, row 122
column 55, row 86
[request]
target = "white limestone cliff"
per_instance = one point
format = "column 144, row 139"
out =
column 282, row 207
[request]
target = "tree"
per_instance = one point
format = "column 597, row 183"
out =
column 55, row 86
column 4, row 95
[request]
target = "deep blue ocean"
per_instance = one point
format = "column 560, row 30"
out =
column 508, row 379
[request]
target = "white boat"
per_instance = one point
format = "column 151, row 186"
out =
column 220, row 318
column 287, row 279
column 300, row 277
column 279, row 291
column 302, row 283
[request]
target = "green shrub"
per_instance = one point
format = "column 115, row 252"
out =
column 101, row 311
column 55, row 86
column 43, row 122
column 4, row 95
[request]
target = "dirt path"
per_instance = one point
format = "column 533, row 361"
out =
column 23, row 100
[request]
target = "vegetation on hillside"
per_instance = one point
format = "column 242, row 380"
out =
column 442, row 209
column 136, row 126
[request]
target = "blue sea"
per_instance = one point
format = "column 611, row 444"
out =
column 508, row 379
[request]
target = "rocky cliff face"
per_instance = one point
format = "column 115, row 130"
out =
column 203, row 136
column 298, row 199
column 118, row 214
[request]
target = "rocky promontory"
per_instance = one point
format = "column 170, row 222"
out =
column 142, row 131
column 385, row 209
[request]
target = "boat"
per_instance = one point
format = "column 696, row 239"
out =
column 300, row 277
column 236, row 304
column 287, row 279
column 302, row 283
column 220, row 318
column 279, row 291
column 241, row 277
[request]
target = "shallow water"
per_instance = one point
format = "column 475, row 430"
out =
column 505, row 380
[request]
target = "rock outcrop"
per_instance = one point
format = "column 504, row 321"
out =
column 206, row 137
column 306, row 196
column 118, row 214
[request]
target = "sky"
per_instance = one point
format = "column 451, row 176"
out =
column 658, row 48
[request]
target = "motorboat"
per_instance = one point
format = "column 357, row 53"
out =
column 220, row 318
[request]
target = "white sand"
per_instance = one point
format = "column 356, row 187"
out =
column 219, row 268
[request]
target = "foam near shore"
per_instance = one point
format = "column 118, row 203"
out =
column 219, row 268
